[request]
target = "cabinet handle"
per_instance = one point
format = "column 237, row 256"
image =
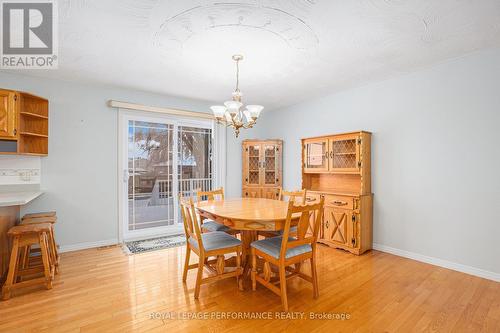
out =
column 331, row 154
column 277, row 180
column 327, row 224
column 339, row 203
column 309, row 199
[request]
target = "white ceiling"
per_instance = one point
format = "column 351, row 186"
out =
column 294, row 49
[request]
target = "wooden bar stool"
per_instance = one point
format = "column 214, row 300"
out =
column 52, row 240
column 24, row 236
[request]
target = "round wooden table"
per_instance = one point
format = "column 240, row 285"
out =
column 248, row 215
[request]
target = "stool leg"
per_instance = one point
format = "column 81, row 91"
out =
column 47, row 270
column 21, row 262
column 12, row 269
column 53, row 250
column 26, row 263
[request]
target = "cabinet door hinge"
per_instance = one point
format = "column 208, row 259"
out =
column 359, row 164
column 359, row 141
column 353, row 218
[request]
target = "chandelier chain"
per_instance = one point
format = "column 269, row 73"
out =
column 237, row 75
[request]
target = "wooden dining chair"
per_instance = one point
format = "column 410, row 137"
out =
column 208, row 225
column 295, row 196
column 217, row 194
column 284, row 251
column 213, row 244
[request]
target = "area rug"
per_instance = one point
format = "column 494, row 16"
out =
column 154, row 244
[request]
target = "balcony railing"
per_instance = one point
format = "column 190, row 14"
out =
column 157, row 208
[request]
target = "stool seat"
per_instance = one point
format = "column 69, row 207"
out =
column 33, row 220
column 41, row 214
column 27, row 229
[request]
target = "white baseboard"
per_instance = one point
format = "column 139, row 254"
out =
column 87, row 245
column 439, row 262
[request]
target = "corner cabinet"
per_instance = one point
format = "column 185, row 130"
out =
column 262, row 168
column 338, row 168
column 24, row 123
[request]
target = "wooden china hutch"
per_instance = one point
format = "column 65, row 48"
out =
column 262, row 168
column 338, row 168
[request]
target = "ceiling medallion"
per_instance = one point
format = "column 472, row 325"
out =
column 231, row 113
column 282, row 21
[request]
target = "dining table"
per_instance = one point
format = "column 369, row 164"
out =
column 248, row 216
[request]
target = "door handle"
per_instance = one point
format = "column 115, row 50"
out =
column 125, row 175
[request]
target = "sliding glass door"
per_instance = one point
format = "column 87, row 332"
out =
column 163, row 156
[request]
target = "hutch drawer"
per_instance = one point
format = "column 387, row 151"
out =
column 340, row 201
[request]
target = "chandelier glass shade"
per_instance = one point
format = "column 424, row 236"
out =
column 232, row 113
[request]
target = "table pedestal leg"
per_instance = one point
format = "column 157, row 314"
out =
column 247, row 237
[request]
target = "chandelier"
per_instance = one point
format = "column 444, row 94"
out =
column 231, row 113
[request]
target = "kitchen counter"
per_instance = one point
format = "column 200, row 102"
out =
column 17, row 198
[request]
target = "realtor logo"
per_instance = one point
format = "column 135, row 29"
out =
column 29, row 35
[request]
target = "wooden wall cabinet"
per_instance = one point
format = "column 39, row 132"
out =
column 262, row 168
column 24, row 123
column 338, row 168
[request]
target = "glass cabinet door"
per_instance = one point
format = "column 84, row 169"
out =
column 316, row 155
column 271, row 165
column 344, row 154
column 253, row 165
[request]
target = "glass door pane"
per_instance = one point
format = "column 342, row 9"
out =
column 150, row 170
column 195, row 167
column 345, row 154
column 253, row 165
column 316, row 158
column 270, row 165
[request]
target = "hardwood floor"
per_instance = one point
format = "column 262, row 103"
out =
column 103, row 290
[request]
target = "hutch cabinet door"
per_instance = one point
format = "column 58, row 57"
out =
column 345, row 154
column 315, row 155
column 8, row 114
column 252, row 164
column 251, row 192
column 335, row 225
column 271, row 165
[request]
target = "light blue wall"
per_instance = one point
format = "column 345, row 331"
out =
column 436, row 161
column 79, row 175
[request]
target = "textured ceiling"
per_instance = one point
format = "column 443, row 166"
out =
column 294, row 49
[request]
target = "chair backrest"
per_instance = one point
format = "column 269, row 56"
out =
column 190, row 219
column 305, row 211
column 210, row 195
column 292, row 195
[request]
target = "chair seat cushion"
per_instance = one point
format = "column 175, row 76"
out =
column 280, row 232
column 215, row 240
column 272, row 247
column 210, row 225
